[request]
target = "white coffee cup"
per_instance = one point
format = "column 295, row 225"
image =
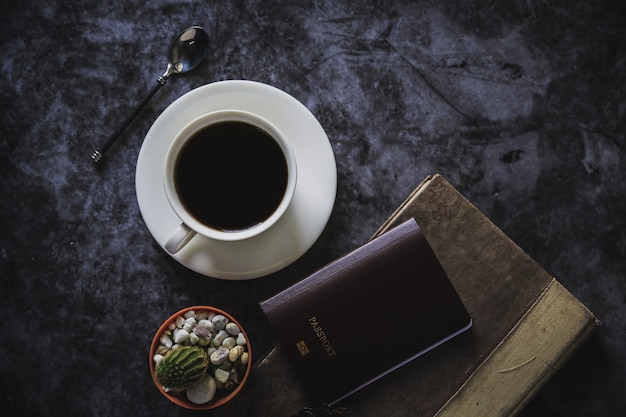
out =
column 228, row 175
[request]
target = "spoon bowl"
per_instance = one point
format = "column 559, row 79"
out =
column 186, row 52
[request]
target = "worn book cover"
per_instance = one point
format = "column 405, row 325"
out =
column 366, row 314
column 525, row 326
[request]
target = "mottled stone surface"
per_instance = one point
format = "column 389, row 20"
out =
column 519, row 104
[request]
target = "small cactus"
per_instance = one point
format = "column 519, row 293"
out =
column 182, row 368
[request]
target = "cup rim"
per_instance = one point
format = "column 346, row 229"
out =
column 215, row 117
column 182, row 401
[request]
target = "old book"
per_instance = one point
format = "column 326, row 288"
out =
column 525, row 326
column 366, row 314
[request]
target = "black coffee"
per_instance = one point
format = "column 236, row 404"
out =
column 231, row 175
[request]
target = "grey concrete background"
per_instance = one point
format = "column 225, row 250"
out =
column 519, row 104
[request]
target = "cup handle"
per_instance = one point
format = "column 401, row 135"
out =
column 181, row 236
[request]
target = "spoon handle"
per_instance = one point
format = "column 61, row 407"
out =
column 99, row 153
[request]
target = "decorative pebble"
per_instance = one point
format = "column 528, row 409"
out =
column 181, row 335
column 190, row 323
column 219, row 356
column 202, row 391
column 229, row 342
column 232, row 329
column 241, row 339
column 202, row 315
column 219, row 322
column 219, row 338
column 166, row 341
column 157, row 358
column 222, row 375
column 244, row 358
column 203, row 335
column 235, row 353
column 180, row 322
column 206, row 324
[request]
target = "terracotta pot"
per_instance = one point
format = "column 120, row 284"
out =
column 222, row 396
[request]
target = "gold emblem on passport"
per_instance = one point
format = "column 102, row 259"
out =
column 302, row 348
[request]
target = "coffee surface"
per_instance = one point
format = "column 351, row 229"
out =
column 231, row 175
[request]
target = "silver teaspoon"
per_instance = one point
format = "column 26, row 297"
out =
column 186, row 52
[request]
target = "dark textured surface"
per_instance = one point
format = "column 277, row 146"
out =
column 519, row 104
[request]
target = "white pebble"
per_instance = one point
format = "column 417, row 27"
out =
column 229, row 342
column 201, row 315
column 190, row 323
column 232, row 329
column 193, row 338
column 221, row 375
column 207, row 324
column 219, row 322
column 219, row 356
column 157, row 358
column 202, row 391
column 190, row 314
column 180, row 322
column 166, row 341
column 181, row 336
column 241, row 339
column 244, row 358
column 219, row 338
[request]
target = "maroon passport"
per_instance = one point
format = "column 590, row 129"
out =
column 366, row 314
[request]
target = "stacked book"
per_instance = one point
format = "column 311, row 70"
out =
column 456, row 320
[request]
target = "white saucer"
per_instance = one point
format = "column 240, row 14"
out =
column 310, row 208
